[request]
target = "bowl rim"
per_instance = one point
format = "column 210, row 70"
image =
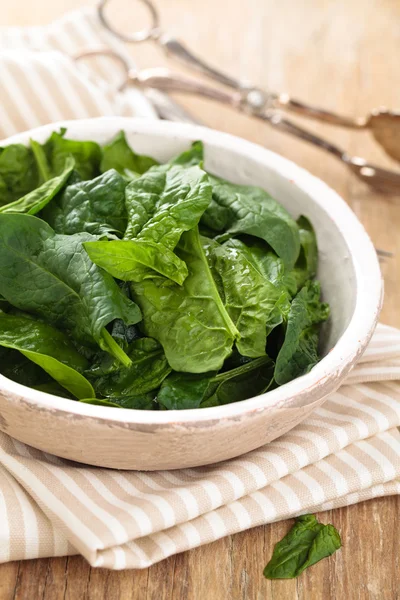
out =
column 323, row 377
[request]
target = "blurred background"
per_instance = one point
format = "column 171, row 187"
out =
column 340, row 55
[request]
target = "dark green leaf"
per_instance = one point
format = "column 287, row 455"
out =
column 135, row 260
column 18, row 368
column 304, row 545
column 299, row 352
column 185, row 390
column 87, row 155
column 18, row 173
column 51, row 275
column 306, row 265
column 37, row 199
column 119, row 155
column 189, row 321
column 165, row 202
column 49, row 348
column 148, row 369
column 96, row 206
column 238, row 209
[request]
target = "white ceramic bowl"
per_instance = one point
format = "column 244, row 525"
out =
column 132, row 439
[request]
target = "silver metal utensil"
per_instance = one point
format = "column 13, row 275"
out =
column 383, row 123
column 248, row 102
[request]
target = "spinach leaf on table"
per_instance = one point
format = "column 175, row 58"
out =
column 49, row 348
column 305, row 544
column 119, row 155
column 87, row 155
column 37, row 199
column 96, row 206
column 242, row 209
column 18, row 173
column 51, row 275
column 249, row 298
column 299, row 352
column 190, row 321
column 148, row 369
column 186, row 390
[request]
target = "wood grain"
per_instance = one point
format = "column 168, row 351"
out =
column 342, row 55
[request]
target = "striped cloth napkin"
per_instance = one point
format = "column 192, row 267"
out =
column 348, row 451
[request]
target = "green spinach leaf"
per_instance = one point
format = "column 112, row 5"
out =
column 37, row 199
column 87, row 155
column 190, row 321
column 305, row 544
column 136, row 260
column 186, row 390
column 299, row 352
column 148, row 369
column 119, row 155
column 192, row 157
column 49, row 348
column 252, row 302
column 41, row 161
column 240, row 209
column 96, row 206
column 51, row 275
column 306, row 265
column 165, row 202
column 18, row 173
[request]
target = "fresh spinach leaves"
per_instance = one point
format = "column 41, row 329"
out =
column 305, row 544
column 148, row 286
column 51, row 276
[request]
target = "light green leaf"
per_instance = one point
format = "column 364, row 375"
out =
column 190, row 321
column 135, row 260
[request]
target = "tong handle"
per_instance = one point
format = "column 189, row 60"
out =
column 285, row 102
column 169, row 81
column 175, row 48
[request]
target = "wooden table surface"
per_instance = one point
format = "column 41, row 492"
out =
column 344, row 56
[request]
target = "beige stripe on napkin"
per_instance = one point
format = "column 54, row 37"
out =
column 347, row 451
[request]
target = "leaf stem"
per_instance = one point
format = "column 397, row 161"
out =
column 41, row 160
column 114, row 349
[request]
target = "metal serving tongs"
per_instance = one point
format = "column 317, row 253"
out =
column 259, row 103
